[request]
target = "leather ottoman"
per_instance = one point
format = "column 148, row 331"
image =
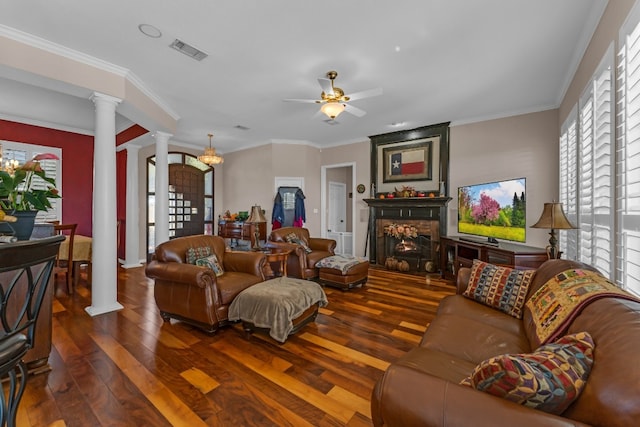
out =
column 280, row 306
column 343, row 272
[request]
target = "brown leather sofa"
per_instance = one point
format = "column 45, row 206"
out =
column 422, row 387
column 194, row 294
column 301, row 264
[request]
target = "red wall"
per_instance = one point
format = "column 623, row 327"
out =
column 77, row 170
column 77, row 167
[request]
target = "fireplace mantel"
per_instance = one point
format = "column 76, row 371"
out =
column 408, row 202
column 404, row 209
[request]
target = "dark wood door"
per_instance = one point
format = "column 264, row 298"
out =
column 186, row 200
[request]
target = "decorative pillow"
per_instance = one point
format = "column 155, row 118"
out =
column 502, row 288
column 549, row 379
column 193, row 254
column 293, row 238
column 211, row 262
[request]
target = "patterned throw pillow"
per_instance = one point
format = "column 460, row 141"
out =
column 502, row 288
column 294, row 239
column 193, row 254
column 549, row 379
column 211, row 262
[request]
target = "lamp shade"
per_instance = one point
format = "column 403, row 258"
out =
column 256, row 214
column 553, row 217
column 332, row 109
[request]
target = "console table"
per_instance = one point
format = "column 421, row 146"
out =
column 242, row 230
column 456, row 252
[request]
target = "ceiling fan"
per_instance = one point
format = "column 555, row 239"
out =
column 333, row 99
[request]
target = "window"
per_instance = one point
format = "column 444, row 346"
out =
column 628, row 156
column 569, row 184
column 53, row 168
column 586, row 173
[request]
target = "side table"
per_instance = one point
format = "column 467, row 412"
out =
column 276, row 255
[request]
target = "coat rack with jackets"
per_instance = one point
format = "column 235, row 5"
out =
column 288, row 208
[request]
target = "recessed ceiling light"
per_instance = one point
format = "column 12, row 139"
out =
column 397, row 48
column 150, row 31
column 397, row 124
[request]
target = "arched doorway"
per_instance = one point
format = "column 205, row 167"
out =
column 190, row 197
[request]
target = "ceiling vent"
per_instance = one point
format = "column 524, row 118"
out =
column 188, row 50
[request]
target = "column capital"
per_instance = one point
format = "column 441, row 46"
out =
column 97, row 96
column 162, row 136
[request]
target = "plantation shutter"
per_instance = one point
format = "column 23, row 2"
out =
column 24, row 152
column 595, row 196
column 602, row 252
column 628, row 161
column 585, row 186
column 569, row 185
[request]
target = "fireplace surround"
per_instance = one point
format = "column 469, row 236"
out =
column 427, row 214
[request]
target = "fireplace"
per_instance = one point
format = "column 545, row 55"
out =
column 416, row 251
column 426, row 215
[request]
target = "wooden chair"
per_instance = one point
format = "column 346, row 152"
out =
column 64, row 262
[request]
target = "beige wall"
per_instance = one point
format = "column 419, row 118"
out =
column 249, row 178
column 513, row 147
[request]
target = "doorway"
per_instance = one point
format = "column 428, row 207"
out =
column 338, row 206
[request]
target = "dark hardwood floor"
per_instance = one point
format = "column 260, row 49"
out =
column 128, row 368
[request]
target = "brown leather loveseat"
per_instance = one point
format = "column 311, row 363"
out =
column 422, row 387
column 194, row 294
column 300, row 263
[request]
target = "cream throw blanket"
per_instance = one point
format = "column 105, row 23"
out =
column 275, row 303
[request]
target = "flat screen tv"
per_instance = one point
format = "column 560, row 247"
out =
column 495, row 210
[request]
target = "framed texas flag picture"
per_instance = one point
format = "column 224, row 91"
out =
column 410, row 162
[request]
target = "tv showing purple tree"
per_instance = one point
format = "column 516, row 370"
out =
column 495, row 210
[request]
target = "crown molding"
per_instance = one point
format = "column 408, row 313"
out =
column 83, row 58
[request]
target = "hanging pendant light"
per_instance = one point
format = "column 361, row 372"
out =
column 210, row 157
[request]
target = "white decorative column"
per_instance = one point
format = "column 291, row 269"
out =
column 104, row 278
column 162, row 187
column 132, row 226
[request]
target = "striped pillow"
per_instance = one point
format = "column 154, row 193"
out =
column 502, row 288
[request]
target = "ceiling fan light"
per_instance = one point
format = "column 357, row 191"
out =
column 332, row 109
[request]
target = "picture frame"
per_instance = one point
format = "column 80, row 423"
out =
column 437, row 134
column 409, row 162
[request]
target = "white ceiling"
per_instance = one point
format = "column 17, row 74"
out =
column 435, row 60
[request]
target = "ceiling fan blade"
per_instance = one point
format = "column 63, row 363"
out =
column 325, row 84
column 308, row 101
column 354, row 110
column 365, row 94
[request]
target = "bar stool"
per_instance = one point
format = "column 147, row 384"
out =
column 25, row 273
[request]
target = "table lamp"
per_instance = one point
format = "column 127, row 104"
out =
column 256, row 216
column 553, row 217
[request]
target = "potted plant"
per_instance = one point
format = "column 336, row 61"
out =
column 20, row 199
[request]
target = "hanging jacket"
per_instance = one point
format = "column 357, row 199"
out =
column 277, row 216
column 299, row 216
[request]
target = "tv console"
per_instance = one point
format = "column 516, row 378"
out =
column 490, row 240
column 458, row 252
